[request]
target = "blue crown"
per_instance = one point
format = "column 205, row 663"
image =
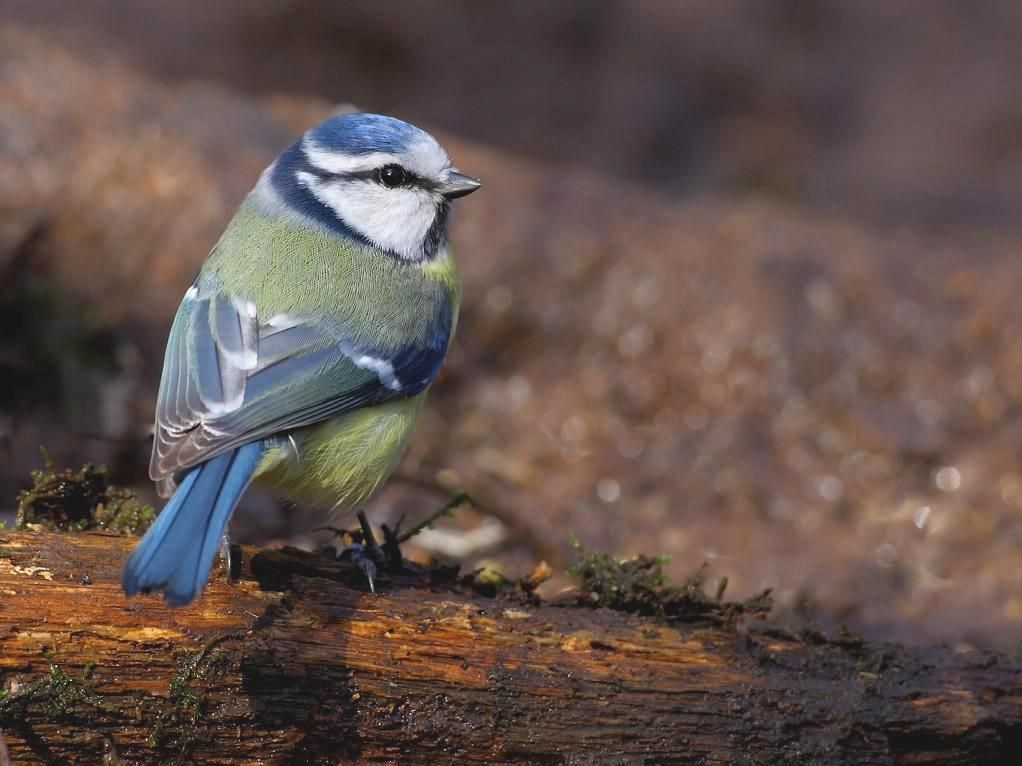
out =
column 364, row 134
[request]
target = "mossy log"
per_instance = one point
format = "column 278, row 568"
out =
column 296, row 663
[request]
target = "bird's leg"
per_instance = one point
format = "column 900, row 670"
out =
column 225, row 555
column 370, row 539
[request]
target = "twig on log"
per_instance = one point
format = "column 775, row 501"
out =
column 487, row 505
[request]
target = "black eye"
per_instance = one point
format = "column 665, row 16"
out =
column 392, row 176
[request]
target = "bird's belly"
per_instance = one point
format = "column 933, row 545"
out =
column 342, row 461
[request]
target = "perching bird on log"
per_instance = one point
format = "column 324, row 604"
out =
column 302, row 352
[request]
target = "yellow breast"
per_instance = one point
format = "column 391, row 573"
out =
column 343, row 461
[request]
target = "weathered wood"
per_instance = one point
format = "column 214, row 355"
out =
column 290, row 665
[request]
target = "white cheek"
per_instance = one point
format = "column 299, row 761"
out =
column 394, row 219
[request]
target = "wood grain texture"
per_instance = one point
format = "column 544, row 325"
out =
column 291, row 664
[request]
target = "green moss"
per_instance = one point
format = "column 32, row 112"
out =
column 56, row 693
column 184, row 710
column 75, row 501
column 63, row 692
column 179, row 722
column 639, row 585
column 488, row 581
column 633, row 585
column 181, row 719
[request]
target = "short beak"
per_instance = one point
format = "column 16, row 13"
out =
column 458, row 185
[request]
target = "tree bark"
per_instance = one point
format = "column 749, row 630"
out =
column 291, row 664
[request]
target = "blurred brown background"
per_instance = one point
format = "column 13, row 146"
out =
column 741, row 286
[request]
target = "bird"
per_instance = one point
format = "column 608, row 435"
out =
column 301, row 354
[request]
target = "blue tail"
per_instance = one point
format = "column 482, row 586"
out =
column 177, row 552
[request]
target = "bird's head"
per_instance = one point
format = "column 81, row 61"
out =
column 381, row 180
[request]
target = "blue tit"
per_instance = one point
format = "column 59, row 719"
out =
column 302, row 353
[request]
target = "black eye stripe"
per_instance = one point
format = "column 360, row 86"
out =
column 411, row 179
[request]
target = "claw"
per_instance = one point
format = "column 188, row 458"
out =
column 368, row 566
column 360, row 556
column 367, row 555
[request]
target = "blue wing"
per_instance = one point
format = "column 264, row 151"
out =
column 231, row 377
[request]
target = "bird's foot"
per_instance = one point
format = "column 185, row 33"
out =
column 362, row 556
column 363, row 551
